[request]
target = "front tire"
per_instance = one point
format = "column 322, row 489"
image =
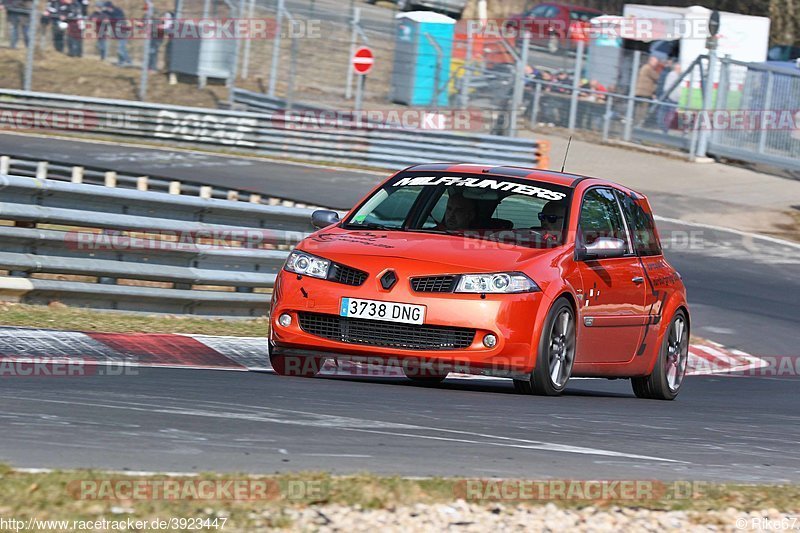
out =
column 556, row 354
column 667, row 377
column 292, row 365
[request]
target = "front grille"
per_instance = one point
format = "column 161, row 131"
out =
column 386, row 334
column 434, row 284
column 347, row 275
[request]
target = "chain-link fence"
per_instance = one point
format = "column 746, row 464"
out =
column 520, row 84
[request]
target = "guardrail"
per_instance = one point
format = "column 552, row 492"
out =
column 108, row 177
column 102, row 247
column 275, row 134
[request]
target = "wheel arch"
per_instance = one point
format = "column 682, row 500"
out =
column 544, row 310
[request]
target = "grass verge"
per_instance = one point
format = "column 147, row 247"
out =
column 84, row 495
column 59, row 316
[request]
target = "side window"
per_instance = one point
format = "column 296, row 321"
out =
column 645, row 240
column 600, row 217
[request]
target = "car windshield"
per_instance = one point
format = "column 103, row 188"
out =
column 497, row 208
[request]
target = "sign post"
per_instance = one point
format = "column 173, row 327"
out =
column 362, row 61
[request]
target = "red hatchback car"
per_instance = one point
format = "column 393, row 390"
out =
column 561, row 25
column 534, row 275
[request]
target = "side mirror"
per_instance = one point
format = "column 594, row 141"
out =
column 602, row 248
column 322, row 218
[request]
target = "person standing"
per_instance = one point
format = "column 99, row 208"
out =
column 74, row 19
column 669, row 108
column 121, row 31
column 18, row 16
column 99, row 19
column 58, row 11
column 646, row 84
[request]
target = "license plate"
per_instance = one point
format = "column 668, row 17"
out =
column 386, row 311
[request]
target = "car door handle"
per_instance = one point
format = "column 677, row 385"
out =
column 637, row 280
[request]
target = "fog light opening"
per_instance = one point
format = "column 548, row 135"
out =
column 285, row 320
column 490, row 341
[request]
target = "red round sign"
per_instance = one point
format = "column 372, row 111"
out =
column 363, row 60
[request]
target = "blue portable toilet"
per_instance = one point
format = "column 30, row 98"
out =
column 415, row 58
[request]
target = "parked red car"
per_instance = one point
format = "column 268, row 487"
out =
column 504, row 271
column 559, row 25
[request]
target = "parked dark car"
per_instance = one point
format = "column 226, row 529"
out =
column 560, row 25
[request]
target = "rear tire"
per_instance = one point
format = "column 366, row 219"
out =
column 297, row 366
column 670, row 369
column 556, row 354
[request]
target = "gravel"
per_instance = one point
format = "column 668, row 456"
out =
column 463, row 516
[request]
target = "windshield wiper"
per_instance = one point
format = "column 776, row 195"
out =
column 438, row 231
column 372, row 225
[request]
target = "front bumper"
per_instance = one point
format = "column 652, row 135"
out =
column 510, row 317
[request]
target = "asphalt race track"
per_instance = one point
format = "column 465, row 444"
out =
column 743, row 291
column 319, row 185
column 722, row 428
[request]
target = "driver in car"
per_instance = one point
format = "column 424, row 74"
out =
column 460, row 212
column 552, row 219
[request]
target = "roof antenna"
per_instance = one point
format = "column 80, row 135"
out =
column 566, row 154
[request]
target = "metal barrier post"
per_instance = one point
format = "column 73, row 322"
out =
column 438, row 68
column 348, row 90
column 247, row 43
column 724, row 82
column 607, row 117
column 33, row 25
column 276, row 49
column 629, row 113
column 292, row 68
column 235, row 64
column 146, row 53
column 708, row 102
column 762, row 134
column 519, row 84
column 359, row 93
column 466, row 78
column 537, row 98
column 576, row 84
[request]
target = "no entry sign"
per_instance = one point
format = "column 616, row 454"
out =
column 363, row 60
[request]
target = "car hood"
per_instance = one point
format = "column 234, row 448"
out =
column 452, row 253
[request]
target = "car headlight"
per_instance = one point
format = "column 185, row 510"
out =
column 307, row 265
column 496, row 283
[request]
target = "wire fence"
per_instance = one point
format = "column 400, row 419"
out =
column 520, row 85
